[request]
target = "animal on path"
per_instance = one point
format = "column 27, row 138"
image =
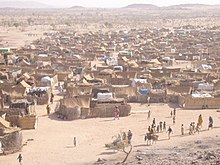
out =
column 152, row 138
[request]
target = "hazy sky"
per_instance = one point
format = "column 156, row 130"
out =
column 118, row 3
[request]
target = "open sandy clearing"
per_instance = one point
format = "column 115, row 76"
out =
column 53, row 139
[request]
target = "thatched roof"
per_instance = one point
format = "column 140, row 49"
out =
column 24, row 84
column 88, row 77
column 4, row 123
column 14, row 92
column 76, row 101
column 132, row 63
column 155, row 61
column 77, row 91
column 107, row 71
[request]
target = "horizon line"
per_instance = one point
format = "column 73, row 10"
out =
column 49, row 6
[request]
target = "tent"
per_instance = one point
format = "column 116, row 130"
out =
column 4, row 123
column 26, row 76
column 206, row 87
column 155, row 61
column 124, row 58
column 107, row 71
column 104, row 96
column 24, row 84
column 76, row 101
column 46, row 79
column 132, row 63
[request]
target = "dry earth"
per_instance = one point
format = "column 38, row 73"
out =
column 16, row 37
column 53, row 139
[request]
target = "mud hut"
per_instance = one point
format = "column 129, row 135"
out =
column 74, row 108
column 10, row 138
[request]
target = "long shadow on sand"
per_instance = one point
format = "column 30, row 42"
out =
column 109, row 151
column 141, row 145
column 106, row 120
column 70, row 147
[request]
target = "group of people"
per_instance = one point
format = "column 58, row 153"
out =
column 128, row 136
column 161, row 127
column 193, row 129
column 37, row 92
column 156, row 129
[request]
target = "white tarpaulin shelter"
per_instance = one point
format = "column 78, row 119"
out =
column 206, row 87
column 143, row 81
column 46, row 79
column 200, row 95
column 104, row 96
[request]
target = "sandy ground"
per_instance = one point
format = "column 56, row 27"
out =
column 53, row 138
column 15, row 37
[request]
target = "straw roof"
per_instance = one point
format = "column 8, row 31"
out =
column 107, row 71
column 24, row 84
column 155, row 61
column 4, row 123
column 76, row 101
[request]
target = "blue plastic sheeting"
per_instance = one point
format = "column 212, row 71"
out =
column 144, row 91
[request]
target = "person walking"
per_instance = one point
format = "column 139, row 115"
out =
column 174, row 119
column 174, row 112
column 148, row 101
column 161, row 126
column 60, row 88
column 182, row 130
column 171, row 113
column 51, row 98
column 158, row 128
column 148, row 114
column 19, row 158
column 200, row 120
column 164, row 126
column 191, row 129
column 48, row 109
column 152, row 131
column 197, row 128
column 149, row 129
column 154, row 122
column 116, row 112
column 129, row 136
column 169, row 132
column 210, row 122
column 74, row 141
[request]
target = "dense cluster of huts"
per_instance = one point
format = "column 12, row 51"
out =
column 101, row 70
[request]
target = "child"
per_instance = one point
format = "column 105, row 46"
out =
column 19, row 158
